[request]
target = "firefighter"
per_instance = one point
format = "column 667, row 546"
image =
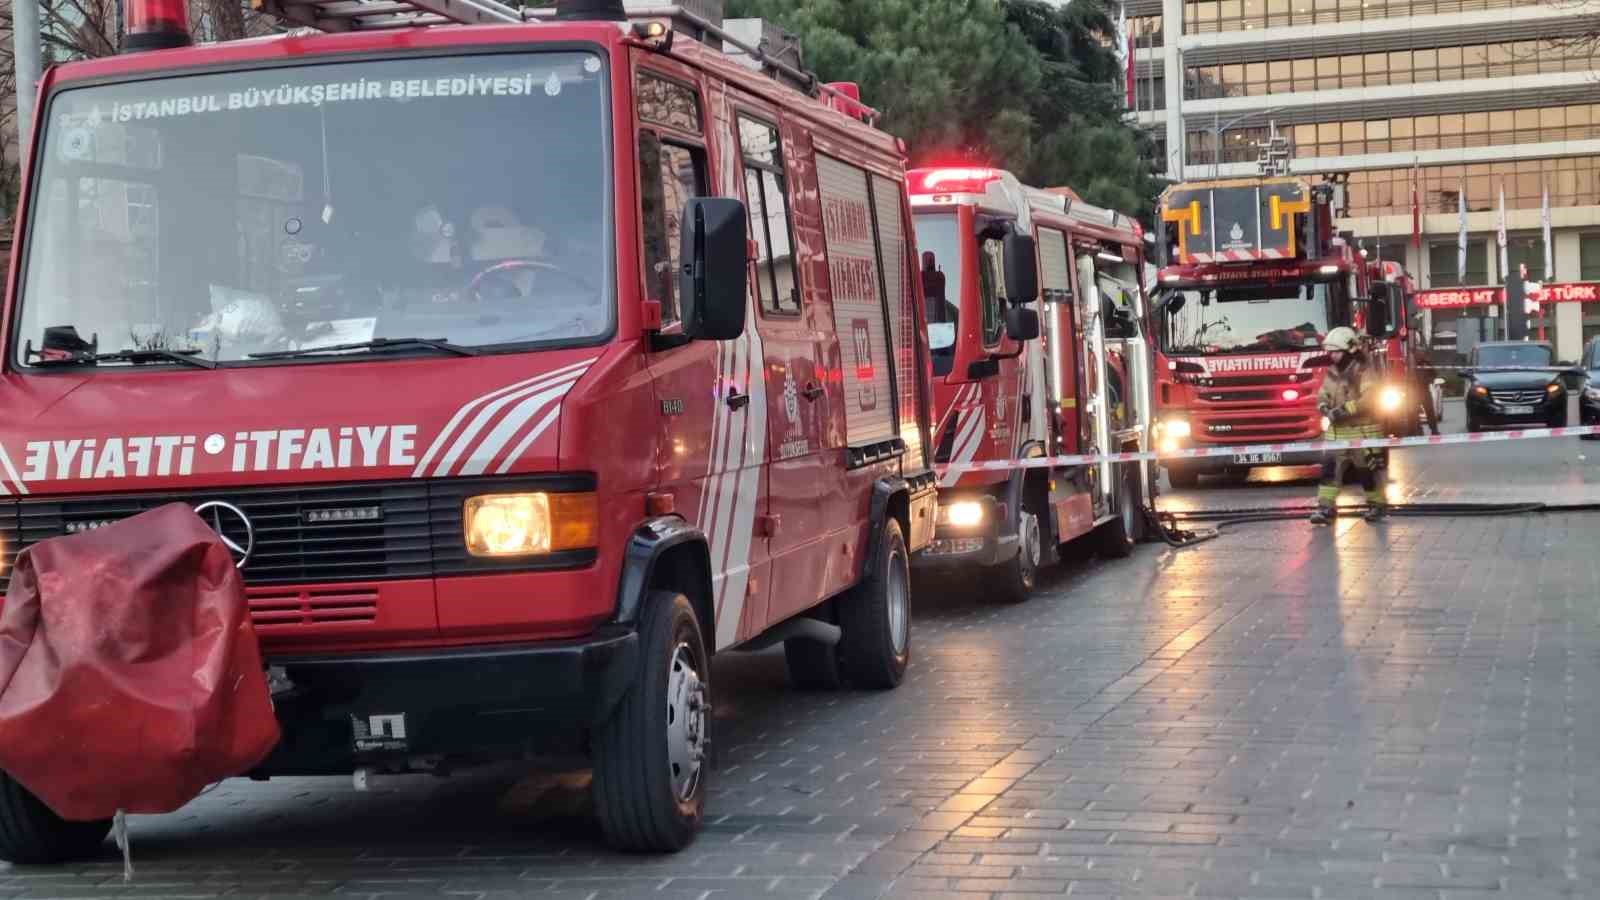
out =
column 1349, row 390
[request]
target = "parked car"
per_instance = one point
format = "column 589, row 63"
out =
column 1589, row 398
column 1514, row 383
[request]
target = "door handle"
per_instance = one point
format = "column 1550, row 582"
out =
column 737, row 400
column 811, row 391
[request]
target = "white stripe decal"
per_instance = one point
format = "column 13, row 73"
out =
column 753, row 451
column 527, row 442
column 16, row 479
column 508, row 426
column 964, row 453
column 488, row 413
column 727, row 484
column 445, row 433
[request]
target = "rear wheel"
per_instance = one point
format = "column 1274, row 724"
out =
column 649, row 759
column 875, row 616
column 1016, row 579
column 32, row 834
column 1118, row 536
column 1183, row 478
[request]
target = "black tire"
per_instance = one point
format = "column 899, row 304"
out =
column 32, row 834
column 641, row 804
column 1014, row 580
column 1183, row 478
column 1559, row 420
column 813, row 665
column 1118, row 536
column 875, row 617
column 1472, row 425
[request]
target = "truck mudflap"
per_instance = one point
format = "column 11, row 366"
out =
column 478, row 702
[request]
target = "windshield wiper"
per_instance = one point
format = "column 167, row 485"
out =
column 375, row 345
column 184, row 357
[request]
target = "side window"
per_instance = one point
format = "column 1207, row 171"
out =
column 671, row 171
column 991, row 288
column 766, row 196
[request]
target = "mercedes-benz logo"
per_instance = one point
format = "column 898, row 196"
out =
column 232, row 526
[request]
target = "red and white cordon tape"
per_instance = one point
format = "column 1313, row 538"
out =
column 1482, row 437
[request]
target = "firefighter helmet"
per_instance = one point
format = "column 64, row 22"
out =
column 1342, row 338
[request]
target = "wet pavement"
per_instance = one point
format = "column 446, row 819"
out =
column 1409, row 710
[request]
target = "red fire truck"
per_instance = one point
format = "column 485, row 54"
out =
column 1254, row 276
column 997, row 259
column 523, row 366
column 1389, row 319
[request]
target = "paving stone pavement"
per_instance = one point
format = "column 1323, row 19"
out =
column 1402, row 711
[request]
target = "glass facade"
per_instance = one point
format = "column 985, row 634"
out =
column 1573, row 122
column 1411, row 66
column 1589, row 257
column 1572, row 180
column 1242, row 15
column 1442, row 264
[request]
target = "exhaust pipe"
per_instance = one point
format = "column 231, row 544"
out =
column 600, row 10
column 156, row 25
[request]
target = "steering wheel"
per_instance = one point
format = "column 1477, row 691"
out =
column 502, row 273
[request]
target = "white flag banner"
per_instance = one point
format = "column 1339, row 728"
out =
column 1544, row 218
column 1500, row 235
column 1461, row 233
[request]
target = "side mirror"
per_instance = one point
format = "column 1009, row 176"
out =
column 1175, row 302
column 1378, row 318
column 1022, row 324
column 715, row 275
column 1022, row 269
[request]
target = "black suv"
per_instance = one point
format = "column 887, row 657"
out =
column 1514, row 383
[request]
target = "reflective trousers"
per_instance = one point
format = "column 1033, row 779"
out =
column 1369, row 463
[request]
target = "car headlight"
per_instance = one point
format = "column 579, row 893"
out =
column 1553, row 388
column 961, row 513
column 530, row 524
column 1175, row 428
column 1391, row 398
column 1480, row 391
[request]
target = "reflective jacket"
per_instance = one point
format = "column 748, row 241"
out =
column 1357, row 382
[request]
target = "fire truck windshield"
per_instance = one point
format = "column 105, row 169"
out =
column 224, row 216
column 1243, row 319
column 939, row 241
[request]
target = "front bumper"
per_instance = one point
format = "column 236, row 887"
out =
column 1491, row 413
column 482, row 702
column 972, row 545
column 1210, row 464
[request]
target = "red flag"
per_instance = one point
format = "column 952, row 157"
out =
column 1131, row 98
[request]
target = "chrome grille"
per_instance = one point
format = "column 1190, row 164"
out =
column 1518, row 396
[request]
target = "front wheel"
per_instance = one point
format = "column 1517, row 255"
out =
column 32, row 834
column 1559, row 420
column 1182, row 477
column 649, row 757
column 1016, row 578
column 1473, row 426
column 875, row 616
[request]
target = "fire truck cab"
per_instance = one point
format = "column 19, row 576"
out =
column 1253, row 278
column 1039, row 334
column 1387, row 318
column 524, row 367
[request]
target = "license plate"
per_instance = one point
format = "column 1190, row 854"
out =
column 1519, row 410
column 1256, row 459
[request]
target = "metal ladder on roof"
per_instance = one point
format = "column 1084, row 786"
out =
column 370, row 15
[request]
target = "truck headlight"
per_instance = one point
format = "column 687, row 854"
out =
column 1175, row 428
column 1391, row 398
column 961, row 513
column 530, row 524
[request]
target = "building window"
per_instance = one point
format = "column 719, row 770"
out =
column 1231, row 15
column 1526, row 250
column 1589, row 257
column 1572, row 181
column 1442, row 265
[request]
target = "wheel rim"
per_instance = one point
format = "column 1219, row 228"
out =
column 899, row 599
column 686, row 721
column 1031, row 551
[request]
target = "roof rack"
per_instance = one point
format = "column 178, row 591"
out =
column 368, row 15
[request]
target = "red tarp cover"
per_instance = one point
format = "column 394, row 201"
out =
column 130, row 677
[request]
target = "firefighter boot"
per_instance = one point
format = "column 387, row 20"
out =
column 1323, row 515
column 1377, row 507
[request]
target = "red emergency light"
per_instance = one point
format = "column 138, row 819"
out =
column 156, row 25
column 954, row 181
